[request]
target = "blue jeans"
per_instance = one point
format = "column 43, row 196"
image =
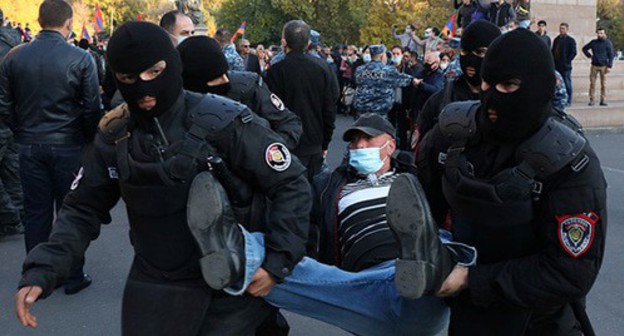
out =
column 47, row 172
column 567, row 81
column 363, row 303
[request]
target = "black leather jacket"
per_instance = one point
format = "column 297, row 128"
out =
column 49, row 92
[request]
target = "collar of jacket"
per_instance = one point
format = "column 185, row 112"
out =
column 294, row 53
column 49, row 34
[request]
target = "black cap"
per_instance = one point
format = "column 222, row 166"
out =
column 370, row 123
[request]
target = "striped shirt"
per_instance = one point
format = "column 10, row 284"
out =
column 365, row 237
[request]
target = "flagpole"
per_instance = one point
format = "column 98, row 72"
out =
column 111, row 21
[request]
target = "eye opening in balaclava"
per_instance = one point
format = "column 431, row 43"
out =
column 149, row 74
column 135, row 47
column 518, row 56
column 475, row 39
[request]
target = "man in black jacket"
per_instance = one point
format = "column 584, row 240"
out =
column 149, row 153
column 11, row 197
column 49, row 95
column 601, row 62
column 309, row 89
column 564, row 51
column 521, row 184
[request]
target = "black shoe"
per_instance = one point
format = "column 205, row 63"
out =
column 216, row 232
column 591, row 103
column 74, row 286
column 424, row 262
column 602, row 103
column 11, row 230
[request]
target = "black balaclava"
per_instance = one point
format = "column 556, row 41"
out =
column 520, row 55
column 202, row 61
column 478, row 34
column 135, row 47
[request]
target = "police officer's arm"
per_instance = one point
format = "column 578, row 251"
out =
column 436, row 85
column 78, row 222
column 283, row 121
column 398, row 79
column 257, row 153
column 573, row 228
column 89, row 96
column 430, row 172
column 428, row 116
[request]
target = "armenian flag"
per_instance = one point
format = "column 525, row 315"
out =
column 85, row 33
column 98, row 22
column 240, row 31
column 449, row 29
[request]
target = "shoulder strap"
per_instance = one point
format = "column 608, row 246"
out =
column 553, row 147
column 211, row 115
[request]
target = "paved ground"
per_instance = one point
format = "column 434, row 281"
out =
column 96, row 310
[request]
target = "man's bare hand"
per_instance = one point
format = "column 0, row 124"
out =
column 456, row 282
column 24, row 299
column 261, row 283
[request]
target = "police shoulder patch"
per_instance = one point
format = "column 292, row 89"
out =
column 576, row 232
column 76, row 181
column 277, row 102
column 277, row 157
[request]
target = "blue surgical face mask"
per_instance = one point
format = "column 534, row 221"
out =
column 367, row 160
column 397, row 60
column 330, row 60
column 367, row 58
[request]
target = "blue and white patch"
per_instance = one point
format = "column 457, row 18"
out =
column 576, row 232
column 76, row 181
column 112, row 173
column 277, row 157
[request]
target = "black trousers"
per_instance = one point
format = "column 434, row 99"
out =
column 154, row 305
column 313, row 163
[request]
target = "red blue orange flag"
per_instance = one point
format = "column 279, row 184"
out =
column 98, row 22
column 240, row 31
column 85, row 33
column 449, row 29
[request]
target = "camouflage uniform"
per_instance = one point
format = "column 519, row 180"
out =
column 454, row 69
column 234, row 60
column 376, row 85
column 561, row 95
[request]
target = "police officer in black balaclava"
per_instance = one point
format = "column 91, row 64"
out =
column 519, row 181
column 152, row 153
column 205, row 70
column 474, row 43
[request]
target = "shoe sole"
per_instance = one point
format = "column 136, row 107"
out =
column 203, row 211
column 410, row 272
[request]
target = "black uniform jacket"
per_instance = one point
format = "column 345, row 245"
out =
column 243, row 145
column 248, row 88
column 454, row 90
column 526, row 293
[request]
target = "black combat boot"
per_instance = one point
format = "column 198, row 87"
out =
column 424, row 262
column 216, row 232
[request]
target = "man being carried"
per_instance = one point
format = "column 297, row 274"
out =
column 378, row 207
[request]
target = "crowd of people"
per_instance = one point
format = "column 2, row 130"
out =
column 467, row 197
